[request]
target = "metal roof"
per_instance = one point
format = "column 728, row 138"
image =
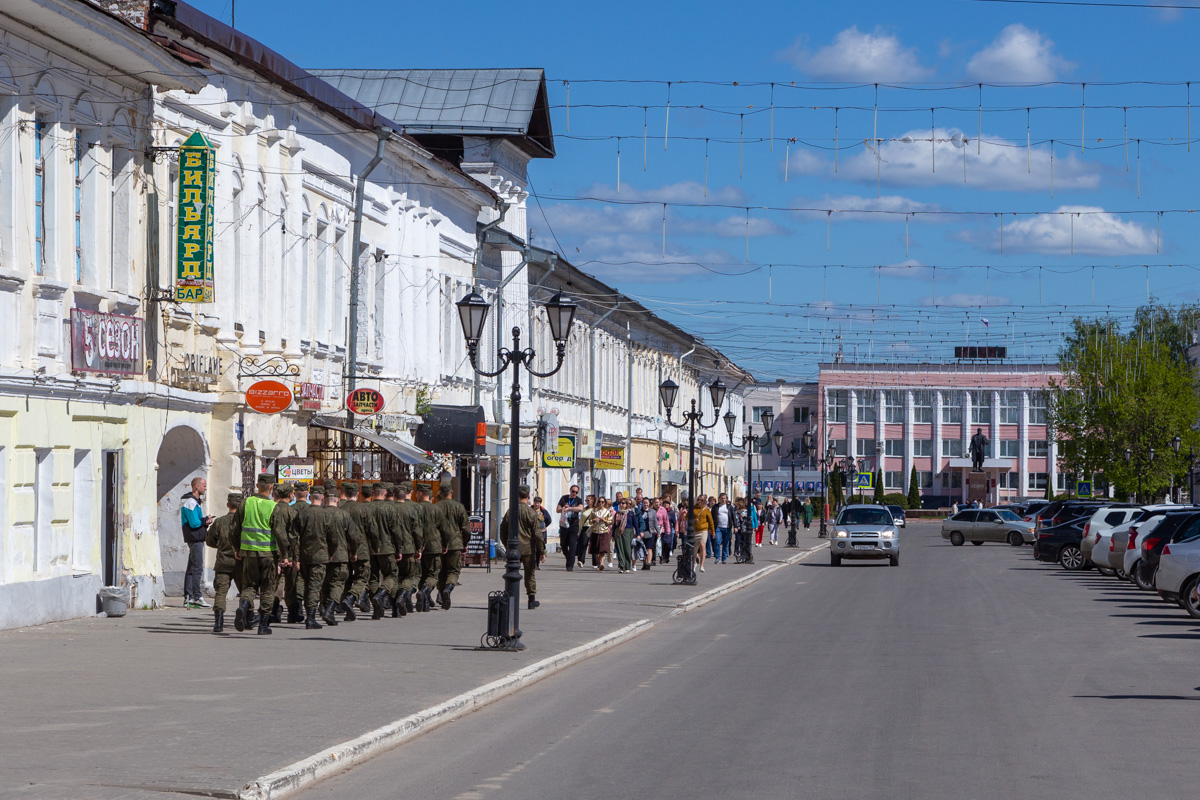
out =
column 464, row 102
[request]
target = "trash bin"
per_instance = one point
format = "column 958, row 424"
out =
column 114, row 601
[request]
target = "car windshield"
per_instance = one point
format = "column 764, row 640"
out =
column 865, row 516
column 1007, row 515
column 895, row 509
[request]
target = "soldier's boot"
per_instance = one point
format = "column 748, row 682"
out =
column 377, row 604
column 241, row 615
column 348, row 603
column 408, row 600
column 294, row 616
column 533, row 603
column 446, row 596
column 364, row 602
column 264, row 626
column 400, row 603
column 218, row 620
column 310, row 620
column 277, row 612
column 327, row 614
column 397, row 607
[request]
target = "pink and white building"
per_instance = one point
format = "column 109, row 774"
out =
column 900, row 416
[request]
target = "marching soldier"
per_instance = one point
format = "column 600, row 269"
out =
column 293, row 585
column 457, row 531
column 360, row 549
column 338, row 524
column 283, row 507
column 431, row 551
column 259, row 536
column 220, row 536
column 313, row 556
column 413, row 522
column 384, row 585
column 533, row 549
column 403, row 528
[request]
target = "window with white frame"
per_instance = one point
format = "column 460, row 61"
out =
column 893, row 447
column 40, row 201
column 864, row 447
column 923, row 406
column 1038, row 448
column 320, row 284
column 1010, row 408
column 1010, row 448
column 77, row 202
column 757, row 412
column 952, row 448
column 1037, row 481
column 838, row 403
column 925, row 479
column 839, row 447
column 1060, row 481
column 1009, row 480
column 951, row 408
column 865, row 411
column 893, row 406
column 981, row 408
column 893, row 479
column 952, row 480
column 1037, row 408
column 922, row 447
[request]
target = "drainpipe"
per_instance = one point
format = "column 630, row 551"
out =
column 356, row 238
column 481, row 232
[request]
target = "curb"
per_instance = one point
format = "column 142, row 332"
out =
column 302, row 773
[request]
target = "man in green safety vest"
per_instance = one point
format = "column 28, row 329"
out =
column 257, row 548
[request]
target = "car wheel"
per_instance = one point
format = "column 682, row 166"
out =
column 894, row 561
column 1144, row 585
column 1188, row 595
column 1015, row 539
column 835, row 560
column 1105, row 571
column 976, row 542
column 1121, row 574
column 1070, row 557
column 957, row 539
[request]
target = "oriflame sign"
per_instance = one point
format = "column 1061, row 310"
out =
column 106, row 343
column 268, row 397
column 364, row 402
column 194, row 226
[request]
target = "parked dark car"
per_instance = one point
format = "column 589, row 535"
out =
column 1060, row 544
column 1175, row 527
column 1061, row 511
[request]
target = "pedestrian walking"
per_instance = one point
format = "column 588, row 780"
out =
column 569, row 508
column 757, row 522
column 665, row 529
column 431, row 550
column 337, row 570
column 625, row 527
column 258, row 544
column 743, row 530
column 458, row 532
column 583, row 540
column 314, row 554
column 723, row 516
column 359, row 576
column 226, row 570
column 533, row 549
column 600, row 533
column 704, row 527
column 195, row 527
column 806, row 513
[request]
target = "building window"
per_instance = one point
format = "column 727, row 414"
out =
column 866, row 410
column 838, row 402
column 1038, row 448
column 952, row 448
column 922, row 447
column 1010, row 408
column 39, row 197
column 893, row 407
column 757, row 412
column 893, row 447
column 800, row 414
column 321, row 284
column 893, row 479
column 839, row 447
column 78, row 203
column 951, row 480
column 1037, row 408
column 981, row 408
column 923, row 406
column 925, row 479
column 1010, row 448
column 1037, row 481
column 1009, row 480
column 951, row 408
column 864, row 447
column 1060, row 481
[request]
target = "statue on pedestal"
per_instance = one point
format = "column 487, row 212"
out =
column 978, row 450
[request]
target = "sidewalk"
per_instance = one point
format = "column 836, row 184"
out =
column 153, row 703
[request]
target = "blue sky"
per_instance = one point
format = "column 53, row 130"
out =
column 764, row 281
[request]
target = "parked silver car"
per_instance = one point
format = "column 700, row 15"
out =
column 865, row 532
column 1118, row 537
column 1094, row 544
column 987, row 525
column 1179, row 575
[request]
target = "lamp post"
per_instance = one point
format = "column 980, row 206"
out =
column 685, row 573
column 792, row 453
column 1150, row 460
column 472, row 312
column 748, row 439
column 852, row 475
column 1175, row 443
column 826, row 465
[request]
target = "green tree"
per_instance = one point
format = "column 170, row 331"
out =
column 1127, row 392
column 879, row 486
column 835, row 487
column 914, row 489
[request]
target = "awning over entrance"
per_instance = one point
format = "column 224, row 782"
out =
column 402, row 450
column 988, row 463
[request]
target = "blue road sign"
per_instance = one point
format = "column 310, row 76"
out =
column 865, row 480
column 1083, row 489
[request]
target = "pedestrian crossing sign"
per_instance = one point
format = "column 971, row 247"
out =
column 1083, row 489
column 865, row 480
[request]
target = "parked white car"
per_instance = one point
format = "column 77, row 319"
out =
column 1097, row 530
column 1139, row 531
column 1118, row 537
column 1179, row 575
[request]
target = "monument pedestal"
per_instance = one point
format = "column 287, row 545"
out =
column 978, row 484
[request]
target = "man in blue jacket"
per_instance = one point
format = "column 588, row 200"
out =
column 195, row 527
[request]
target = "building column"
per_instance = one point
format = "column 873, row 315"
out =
column 851, row 423
column 880, row 436
column 935, row 463
column 1052, row 465
column 909, row 414
column 1023, row 445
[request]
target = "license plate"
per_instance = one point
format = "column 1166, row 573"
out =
column 864, row 547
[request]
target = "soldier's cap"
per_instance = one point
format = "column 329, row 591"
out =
column 265, row 480
column 405, row 486
column 234, row 499
column 378, row 486
column 284, row 488
column 331, row 491
column 301, row 486
column 330, row 482
column 349, row 486
column 523, row 490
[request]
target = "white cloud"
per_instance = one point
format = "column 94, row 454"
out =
column 908, row 269
column 994, row 164
column 1018, row 55
column 681, row 192
column 863, row 206
column 802, row 161
column 967, row 299
column 591, row 219
column 857, row 56
column 1084, row 230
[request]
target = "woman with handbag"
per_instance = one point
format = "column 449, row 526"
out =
column 601, row 533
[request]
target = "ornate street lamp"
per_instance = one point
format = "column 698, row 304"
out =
column 826, row 466
column 472, row 313
column 668, row 390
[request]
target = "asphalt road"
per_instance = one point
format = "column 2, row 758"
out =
column 964, row 673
